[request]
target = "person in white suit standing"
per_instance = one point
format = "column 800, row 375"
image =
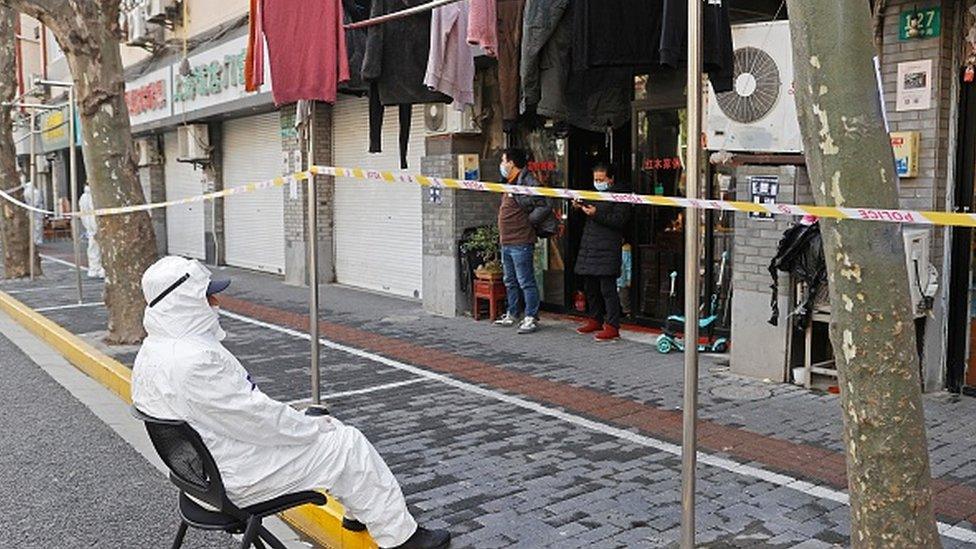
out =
column 262, row 447
column 90, row 222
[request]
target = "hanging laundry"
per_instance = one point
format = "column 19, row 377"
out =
column 395, row 64
column 653, row 34
column 717, row 56
column 591, row 99
column 509, row 54
column 306, row 48
column 540, row 19
column 482, row 26
column 354, row 11
column 450, row 66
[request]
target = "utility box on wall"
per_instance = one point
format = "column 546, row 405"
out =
column 905, row 147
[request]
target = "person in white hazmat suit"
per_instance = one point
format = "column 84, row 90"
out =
column 90, row 222
column 262, row 447
column 35, row 198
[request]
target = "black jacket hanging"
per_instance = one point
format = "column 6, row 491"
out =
column 800, row 253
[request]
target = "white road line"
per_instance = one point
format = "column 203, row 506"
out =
column 40, row 289
column 820, row 492
column 373, row 389
column 58, row 261
column 63, row 307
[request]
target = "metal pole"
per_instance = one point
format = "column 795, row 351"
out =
column 73, row 168
column 32, row 201
column 313, row 262
column 692, row 174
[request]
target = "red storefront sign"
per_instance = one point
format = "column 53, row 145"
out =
column 149, row 97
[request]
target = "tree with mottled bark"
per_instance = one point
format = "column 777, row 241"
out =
column 89, row 34
column 14, row 223
column 872, row 329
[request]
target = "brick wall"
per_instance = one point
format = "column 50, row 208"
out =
column 296, row 209
column 928, row 191
column 756, row 240
column 444, row 222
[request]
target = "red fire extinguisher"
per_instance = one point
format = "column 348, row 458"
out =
column 579, row 301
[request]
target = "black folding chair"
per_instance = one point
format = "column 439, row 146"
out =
column 193, row 470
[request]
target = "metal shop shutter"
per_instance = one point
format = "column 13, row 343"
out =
column 184, row 223
column 254, row 223
column 378, row 226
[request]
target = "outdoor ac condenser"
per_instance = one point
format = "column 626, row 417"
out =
column 157, row 11
column 443, row 119
column 194, row 143
column 759, row 114
column 138, row 27
column 146, row 152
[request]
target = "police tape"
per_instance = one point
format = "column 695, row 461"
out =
column 247, row 188
column 907, row 217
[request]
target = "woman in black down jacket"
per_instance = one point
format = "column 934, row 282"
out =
column 599, row 258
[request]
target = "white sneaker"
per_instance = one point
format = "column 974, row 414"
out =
column 529, row 324
column 506, row 321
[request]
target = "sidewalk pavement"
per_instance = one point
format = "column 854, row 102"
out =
column 550, row 439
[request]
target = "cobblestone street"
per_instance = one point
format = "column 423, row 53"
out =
column 549, row 439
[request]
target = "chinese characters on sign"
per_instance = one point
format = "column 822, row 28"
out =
column 210, row 78
column 149, row 97
column 764, row 189
column 661, row 164
column 916, row 23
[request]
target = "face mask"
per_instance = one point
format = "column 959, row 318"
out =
column 504, row 169
column 601, row 185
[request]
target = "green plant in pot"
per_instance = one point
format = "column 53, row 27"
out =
column 484, row 242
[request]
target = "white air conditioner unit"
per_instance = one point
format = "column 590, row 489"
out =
column 923, row 277
column 194, row 143
column 444, row 119
column 158, row 11
column 759, row 114
column 147, row 153
column 138, row 27
column 42, row 164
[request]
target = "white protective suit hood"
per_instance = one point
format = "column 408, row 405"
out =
column 184, row 311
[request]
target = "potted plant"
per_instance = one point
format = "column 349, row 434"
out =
column 484, row 242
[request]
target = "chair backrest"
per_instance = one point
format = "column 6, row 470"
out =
column 191, row 466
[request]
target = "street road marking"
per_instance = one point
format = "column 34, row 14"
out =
column 819, row 492
column 63, row 307
column 40, row 289
column 356, row 392
column 58, row 261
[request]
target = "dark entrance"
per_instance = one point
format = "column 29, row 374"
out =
column 961, row 373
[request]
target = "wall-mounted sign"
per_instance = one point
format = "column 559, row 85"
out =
column 920, row 23
column 914, row 91
column 905, row 147
column 147, row 97
column 764, row 189
column 216, row 76
column 53, row 126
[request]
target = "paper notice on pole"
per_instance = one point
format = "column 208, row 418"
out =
column 914, row 86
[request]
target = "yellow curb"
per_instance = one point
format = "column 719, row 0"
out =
column 321, row 523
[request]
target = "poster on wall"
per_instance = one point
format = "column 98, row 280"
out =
column 914, row 86
column 764, row 189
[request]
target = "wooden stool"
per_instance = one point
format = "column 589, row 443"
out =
column 493, row 291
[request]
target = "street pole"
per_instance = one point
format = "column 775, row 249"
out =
column 73, row 168
column 32, row 201
column 312, row 238
column 692, row 173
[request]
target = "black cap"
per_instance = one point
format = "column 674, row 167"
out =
column 217, row 285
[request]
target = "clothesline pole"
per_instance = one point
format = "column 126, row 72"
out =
column 33, row 198
column 312, row 238
column 73, row 171
column 692, row 174
column 399, row 14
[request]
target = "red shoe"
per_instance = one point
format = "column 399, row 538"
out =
column 608, row 333
column 589, row 327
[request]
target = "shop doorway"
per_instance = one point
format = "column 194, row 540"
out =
column 961, row 340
